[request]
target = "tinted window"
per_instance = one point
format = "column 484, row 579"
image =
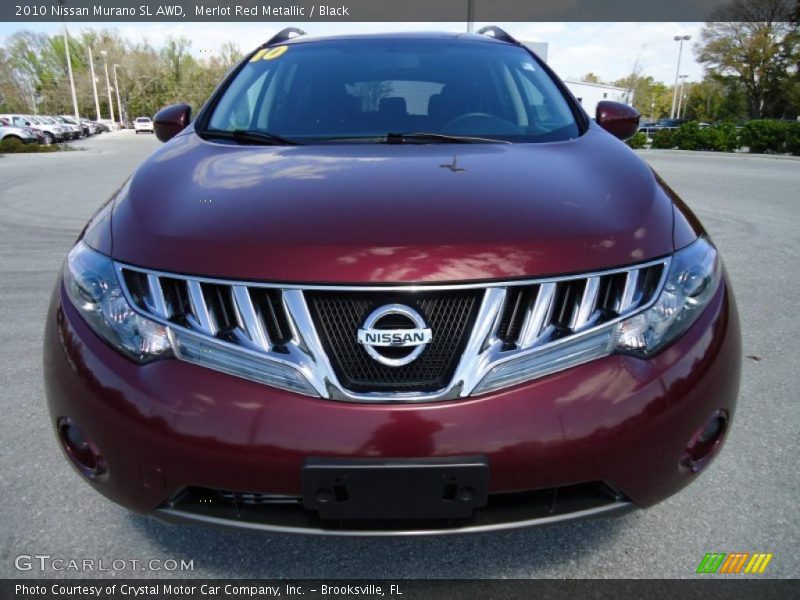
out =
column 371, row 87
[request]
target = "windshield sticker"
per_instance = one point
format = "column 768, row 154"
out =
column 258, row 55
column 275, row 53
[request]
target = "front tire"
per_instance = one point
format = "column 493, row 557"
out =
column 49, row 138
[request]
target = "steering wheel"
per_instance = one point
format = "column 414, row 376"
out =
column 481, row 123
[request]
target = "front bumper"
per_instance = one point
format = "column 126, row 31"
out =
column 169, row 427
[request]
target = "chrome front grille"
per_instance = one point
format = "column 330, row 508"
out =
column 539, row 313
column 275, row 334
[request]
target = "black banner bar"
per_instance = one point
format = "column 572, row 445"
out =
column 708, row 587
column 480, row 11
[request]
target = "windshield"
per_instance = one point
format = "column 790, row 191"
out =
column 367, row 88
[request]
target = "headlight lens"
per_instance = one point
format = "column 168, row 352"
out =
column 92, row 286
column 691, row 282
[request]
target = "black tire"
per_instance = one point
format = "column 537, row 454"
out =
column 49, row 138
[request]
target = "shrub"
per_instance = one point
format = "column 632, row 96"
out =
column 765, row 136
column 687, row 136
column 663, row 139
column 638, row 141
column 15, row 146
column 721, row 138
column 793, row 138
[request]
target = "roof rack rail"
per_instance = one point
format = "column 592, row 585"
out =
column 284, row 35
column 497, row 33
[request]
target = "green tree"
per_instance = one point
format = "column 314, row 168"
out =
column 755, row 41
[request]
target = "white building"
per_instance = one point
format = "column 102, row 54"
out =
column 588, row 94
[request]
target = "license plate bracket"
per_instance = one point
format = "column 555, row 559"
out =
column 437, row 488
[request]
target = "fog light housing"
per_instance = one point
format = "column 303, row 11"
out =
column 81, row 450
column 705, row 442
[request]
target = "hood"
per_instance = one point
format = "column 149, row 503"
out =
column 362, row 213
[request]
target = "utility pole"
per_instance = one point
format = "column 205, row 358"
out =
column 71, row 79
column 470, row 16
column 108, row 85
column 680, row 97
column 116, row 88
column 680, row 39
column 94, row 83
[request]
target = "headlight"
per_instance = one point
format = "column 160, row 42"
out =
column 92, row 286
column 691, row 282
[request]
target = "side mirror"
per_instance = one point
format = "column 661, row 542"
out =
column 618, row 119
column 170, row 121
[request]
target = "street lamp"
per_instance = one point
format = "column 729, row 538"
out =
column 94, row 83
column 680, row 39
column 108, row 84
column 116, row 88
column 71, row 79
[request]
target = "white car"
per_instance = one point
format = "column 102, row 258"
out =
column 16, row 133
column 143, row 124
column 52, row 133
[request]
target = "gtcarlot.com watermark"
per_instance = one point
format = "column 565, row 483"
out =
column 56, row 564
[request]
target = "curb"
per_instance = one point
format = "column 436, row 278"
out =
column 744, row 155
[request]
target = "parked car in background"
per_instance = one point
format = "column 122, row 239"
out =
column 89, row 126
column 101, row 127
column 51, row 133
column 73, row 131
column 661, row 124
column 21, row 134
column 6, row 122
column 110, row 125
column 66, row 133
column 70, row 120
column 143, row 124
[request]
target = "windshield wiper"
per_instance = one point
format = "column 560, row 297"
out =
column 420, row 137
column 244, row 136
column 443, row 138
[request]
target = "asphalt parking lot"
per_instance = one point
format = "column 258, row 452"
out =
column 746, row 502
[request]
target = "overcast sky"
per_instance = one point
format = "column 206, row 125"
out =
column 607, row 49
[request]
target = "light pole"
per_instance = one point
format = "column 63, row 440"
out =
column 652, row 109
column 680, row 39
column 470, row 15
column 71, row 79
column 94, row 83
column 116, row 88
column 108, row 84
column 681, row 96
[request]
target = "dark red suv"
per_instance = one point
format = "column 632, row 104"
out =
column 392, row 284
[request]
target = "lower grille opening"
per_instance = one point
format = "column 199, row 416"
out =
column 286, row 511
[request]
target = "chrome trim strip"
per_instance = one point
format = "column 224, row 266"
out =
column 410, row 287
column 175, row 516
column 539, row 315
column 628, row 293
column 155, row 296
column 587, row 305
column 248, row 319
column 200, row 317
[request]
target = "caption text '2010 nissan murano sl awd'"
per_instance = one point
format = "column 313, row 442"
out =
column 392, row 284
